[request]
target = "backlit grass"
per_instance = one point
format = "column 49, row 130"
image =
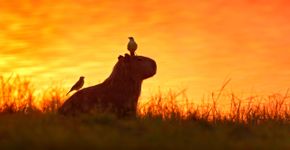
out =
column 28, row 120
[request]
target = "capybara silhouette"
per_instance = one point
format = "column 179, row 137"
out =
column 118, row 94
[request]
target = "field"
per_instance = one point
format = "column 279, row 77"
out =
column 28, row 120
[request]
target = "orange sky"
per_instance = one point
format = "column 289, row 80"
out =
column 197, row 44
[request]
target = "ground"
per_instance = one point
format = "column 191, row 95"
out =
column 51, row 131
column 166, row 121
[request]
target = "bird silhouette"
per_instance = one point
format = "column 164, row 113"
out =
column 77, row 85
column 132, row 46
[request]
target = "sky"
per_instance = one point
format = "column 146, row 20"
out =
column 197, row 44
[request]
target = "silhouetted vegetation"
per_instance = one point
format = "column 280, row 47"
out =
column 28, row 120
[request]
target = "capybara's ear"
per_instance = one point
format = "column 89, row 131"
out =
column 127, row 57
column 120, row 57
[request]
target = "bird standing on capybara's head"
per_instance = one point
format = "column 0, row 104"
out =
column 119, row 93
column 132, row 46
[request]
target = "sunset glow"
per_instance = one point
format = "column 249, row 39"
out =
column 197, row 44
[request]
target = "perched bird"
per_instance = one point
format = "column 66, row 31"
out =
column 132, row 46
column 78, row 85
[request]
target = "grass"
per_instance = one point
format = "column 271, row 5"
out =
column 28, row 120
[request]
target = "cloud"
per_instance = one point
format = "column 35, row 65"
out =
column 190, row 39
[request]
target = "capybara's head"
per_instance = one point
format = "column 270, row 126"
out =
column 136, row 67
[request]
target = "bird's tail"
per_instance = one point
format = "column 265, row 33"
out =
column 68, row 92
